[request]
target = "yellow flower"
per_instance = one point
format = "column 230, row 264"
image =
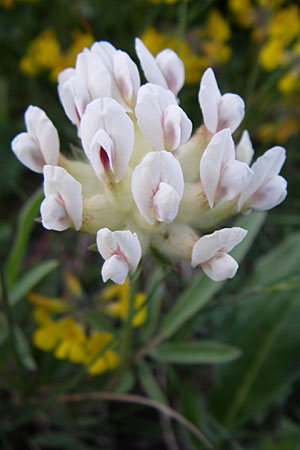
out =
column 266, row 132
column 51, row 305
column 217, row 28
column 42, row 53
column 286, row 128
column 217, row 52
column 272, row 54
column 71, row 341
column 285, row 24
column 46, row 336
column 289, row 82
column 119, row 307
column 108, row 361
column 243, row 11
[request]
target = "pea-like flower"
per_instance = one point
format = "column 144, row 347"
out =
column 219, row 111
column 40, row 144
column 122, row 253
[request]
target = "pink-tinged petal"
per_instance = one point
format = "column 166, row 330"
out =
column 74, row 97
column 115, row 269
column 244, row 149
column 165, row 203
column 54, row 214
column 110, row 116
column 221, row 241
column 231, row 112
column 28, row 152
column 101, row 155
column 217, row 154
column 93, row 73
column 221, row 267
column 127, row 77
column 265, row 167
column 149, row 65
column 172, row 69
column 155, row 168
column 235, row 177
column 160, row 118
column 65, row 75
column 123, row 244
column 177, row 127
column 40, row 145
column 209, row 98
column 60, row 184
column 270, row 194
column 106, row 51
column 130, row 246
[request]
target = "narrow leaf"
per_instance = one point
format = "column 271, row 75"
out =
column 195, row 352
column 24, row 350
column 30, row 279
column 150, row 385
column 25, row 224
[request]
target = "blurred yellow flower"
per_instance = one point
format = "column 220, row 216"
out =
column 289, row 82
column 279, row 131
column 285, row 24
column 217, row 28
column 243, row 11
column 44, row 53
column 119, row 293
column 65, row 336
column 10, row 3
column 272, row 54
column 108, row 361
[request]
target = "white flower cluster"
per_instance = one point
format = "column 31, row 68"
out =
column 143, row 182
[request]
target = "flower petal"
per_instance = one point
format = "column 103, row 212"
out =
column 244, row 149
column 265, row 167
column 110, row 116
column 149, row 65
column 60, row 184
column 115, row 269
column 155, row 168
column 124, row 244
column 220, row 267
column 41, row 145
column 231, row 112
column 127, row 77
column 270, row 194
column 235, row 177
column 209, row 98
column 172, row 69
column 54, row 214
column 102, row 154
column 74, row 97
column 217, row 154
column 220, row 241
column 165, row 203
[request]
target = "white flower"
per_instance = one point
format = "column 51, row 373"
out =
column 160, row 118
column 210, row 252
column 122, row 253
column 73, row 95
column 266, row 188
column 219, row 111
column 244, row 150
column 62, row 207
column 222, row 176
column 40, row 144
column 166, row 70
column 157, row 187
column 123, row 72
column 107, row 136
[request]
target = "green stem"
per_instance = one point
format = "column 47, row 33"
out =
column 182, row 23
column 12, row 334
column 126, row 339
column 244, row 389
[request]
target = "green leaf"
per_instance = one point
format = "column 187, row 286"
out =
column 3, row 328
column 279, row 264
column 25, row 224
column 195, row 352
column 24, row 350
column 30, row 279
column 150, row 385
column 126, row 383
column 155, row 294
column 203, row 289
